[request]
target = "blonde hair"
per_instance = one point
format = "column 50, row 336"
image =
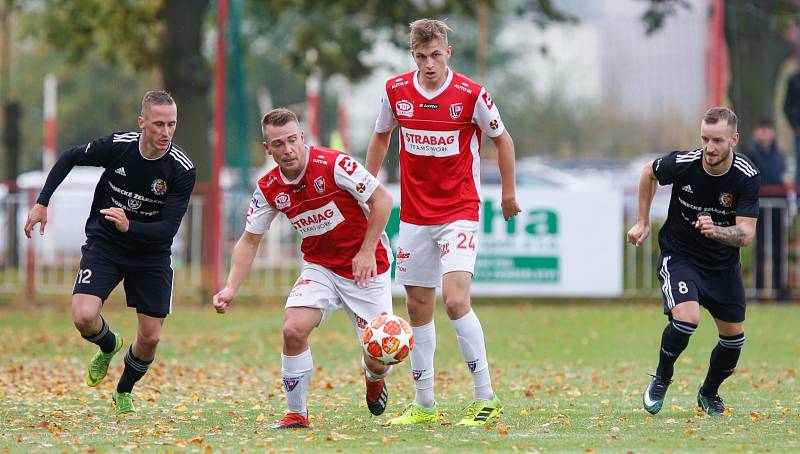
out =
column 156, row 98
column 424, row 31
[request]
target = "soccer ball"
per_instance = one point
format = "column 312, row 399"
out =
column 388, row 339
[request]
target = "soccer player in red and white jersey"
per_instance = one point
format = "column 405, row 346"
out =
column 340, row 210
column 442, row 115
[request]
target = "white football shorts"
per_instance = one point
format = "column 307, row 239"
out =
column 427, row 252
column 320, row 288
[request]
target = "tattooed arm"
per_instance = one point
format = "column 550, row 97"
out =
column 737, row 235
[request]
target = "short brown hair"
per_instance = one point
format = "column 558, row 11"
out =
column 277, row 117
column 156, row 98
column 715, row 114
column 424, row 31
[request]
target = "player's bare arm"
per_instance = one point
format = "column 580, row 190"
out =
column 37, row 215
column 738, row 235
column 647, row 190
column 380, row 206
column 118, row 217
column 506, row 164
column 376, row 151
column 241, row 260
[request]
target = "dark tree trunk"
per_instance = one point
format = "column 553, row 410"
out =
column 757, row 50
column 187, row 76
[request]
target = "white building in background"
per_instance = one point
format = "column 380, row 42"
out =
column 605, row 58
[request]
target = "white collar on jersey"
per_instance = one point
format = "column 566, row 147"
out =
column 432, row 94
column 302, row 172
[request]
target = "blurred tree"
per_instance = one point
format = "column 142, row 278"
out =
column 335, row 37
column 755, row 35
column 135, row 35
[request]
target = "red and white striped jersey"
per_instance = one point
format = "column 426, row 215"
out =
column 440, row 137
column 326, row 205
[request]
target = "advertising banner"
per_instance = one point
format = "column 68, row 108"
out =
column 564, row 243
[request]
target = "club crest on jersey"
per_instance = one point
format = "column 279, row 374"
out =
column 158, row 186
column 290, row 383
column 455, row 110
column 488, row 100
column 282, row 201
column 319, row 184
column 404, row 108
column 726, row 199
column 134, row 204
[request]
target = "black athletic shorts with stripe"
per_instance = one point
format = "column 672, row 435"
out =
column 147, row 280
column 719, row 291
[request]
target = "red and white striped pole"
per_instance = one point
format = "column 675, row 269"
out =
column 312, row 108
column 342, row 102
column 50, row 102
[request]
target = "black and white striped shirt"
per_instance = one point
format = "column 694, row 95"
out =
column 695, row 192
column 153, row 192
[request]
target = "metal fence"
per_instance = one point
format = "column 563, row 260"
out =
column 46, row 265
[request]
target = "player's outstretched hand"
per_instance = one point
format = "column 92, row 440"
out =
column 37, row 215
column 638, row 233
column 222, row 300
column 364, row 268
column 510, row 207
column 118, row 217
column 706, row 226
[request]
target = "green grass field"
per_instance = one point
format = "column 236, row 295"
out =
column 570, row 376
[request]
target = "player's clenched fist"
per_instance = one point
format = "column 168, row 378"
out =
column 223, row 300
column 638, row 233
column 705, row 225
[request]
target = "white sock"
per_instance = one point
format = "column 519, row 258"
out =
column 470, row 339
column 296, row 374
column 372, row 376
column 422, row 363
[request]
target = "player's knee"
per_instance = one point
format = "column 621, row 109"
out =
column 456, row 306
column 294, row 333
column 84, row 320
column 149, row 341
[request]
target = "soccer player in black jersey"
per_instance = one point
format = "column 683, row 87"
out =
column 712, row 213
column 137, row 208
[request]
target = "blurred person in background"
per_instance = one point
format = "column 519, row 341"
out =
column 791, row 108
column 713, row 212
column 442, row 116
column 763, row 151
column 137, row 209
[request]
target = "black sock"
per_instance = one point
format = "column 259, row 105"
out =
column 673, row 341
column 105, row 338
column 134, row 370
column 723, row 362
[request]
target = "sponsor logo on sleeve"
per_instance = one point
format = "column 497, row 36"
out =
column 158, row 186
column 455, row 110
column 438, row 144
column 348, row 165
column 319, row 184
column 404, row 108
column 488, row 100
column 282, row 201
column 317, row 222
column 494, row 124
